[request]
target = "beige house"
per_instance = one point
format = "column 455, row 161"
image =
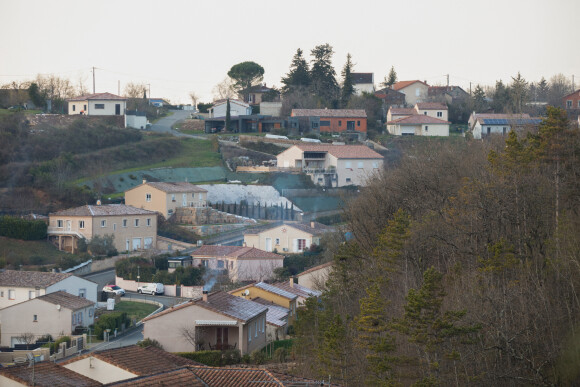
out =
column 99, row 104
column 19, row 286
column 57, row 314
column 241, row 263
column 315, row 277
column 216, row 321
column 424, row 119
column 332, row 165
column 432, row 109
column 166, row 197
column 286, row 237
column 415, row 91
column 124, row 363
column 132, row 228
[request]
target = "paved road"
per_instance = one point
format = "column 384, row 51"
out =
column 164, row 125
column 167, row 301
column 102, row 278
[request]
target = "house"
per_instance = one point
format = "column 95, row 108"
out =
column 571, row 101
column 395, row 113
column 332, row 165
column 253, row 95
column 302, row 292
column 485, row 124
column 276, row 319
column 165, row 197
column 158, row 102
column 415, row 91
column 132, row 228
column 175, row 262
column 287, row 237
column 237, row 108
column 124, row 363
column 254, row 123
column 216, row 321
column 390, row 98
column 43, row 374
column 58, row 314
column 99, row 104
column 363, row 83
column 315, row 277
column 270, row 293
column 241, row 263
column 448, row 94
column 18, row 286
column 433, row 109
column 418, row 125
column 328, row 120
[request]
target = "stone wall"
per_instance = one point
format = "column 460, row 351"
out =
column 206, row 216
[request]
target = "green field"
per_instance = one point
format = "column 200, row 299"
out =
column 135, row 310
column 5, row 112
column 15, row 252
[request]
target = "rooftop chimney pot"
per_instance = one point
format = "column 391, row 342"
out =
column 204, row 295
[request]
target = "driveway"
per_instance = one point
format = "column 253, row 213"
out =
column 164, row 125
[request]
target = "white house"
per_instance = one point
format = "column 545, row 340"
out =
column 56, row 314
column 418, row 125
column 363, row 83
column 20, row 286
column 332, row 165
column 486, row 124
column 135, row 119
column 99, row 104
column 237, row 108
column 286, row 237
column 433, row 109
column 415, row 91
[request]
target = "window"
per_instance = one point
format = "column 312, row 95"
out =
column 277, row 241
column 579, row 103
column 375, row 164
column 124, row 222
column 249, row 333
column 35, row 318
column 2, row 294
column 59, row 223
column 11, row 295
column 320, row 179
column 301, row 244
column 193, row 195
column 114, row 226
column 314, row 125
column 504, row 130
column 568, row 104
column 339, row 123
column 439, row 114
column 173, row 197
column 358, row 123
column 74, row 318
column 488, row 129
column 31, row 294
column 91, row 312
column 220, row 264
column 80, row 318
column 99, row 106
column 255, row 329
column 148, row 197
column 148, row 222
column 81, row 224
column 324, row 123
column 103, row 223
column 205, row 262
column 348, row 164
column 425, row 113
column 417, row 92
column 360, row 165
column 85, row 107
column 74, row 108
column 83, row 293
column 426, row 128
column 136, row 222
column 348, row 180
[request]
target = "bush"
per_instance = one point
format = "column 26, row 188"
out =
column 55, row 346
column 103, row 245
column 149, row 343
column 258, row 357
column 280, row 355
column 27, row 230
column 110, row 321
column 246, row 359
column 214, row 358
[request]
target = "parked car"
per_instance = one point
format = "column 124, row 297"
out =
column 153, row 289
column 114, row 289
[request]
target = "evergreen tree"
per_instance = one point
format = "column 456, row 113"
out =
column 479, row 101
column 542, row 90
column 228, row 116
column 323, row 75
column 501, row 98
column 298, row 76
column 391, row 79
column 518, row 92
column 347, row 86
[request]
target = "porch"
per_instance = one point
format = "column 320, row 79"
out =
column 217, row 335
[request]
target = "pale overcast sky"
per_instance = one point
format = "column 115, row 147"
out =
column 182, row 46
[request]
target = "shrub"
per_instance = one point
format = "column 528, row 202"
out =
column 258, row 357
column 149, row 343
column 280, row 355
column 17, row 228
column 56, row 345
column 110, row 321
column 246, row 359
column 214, row 358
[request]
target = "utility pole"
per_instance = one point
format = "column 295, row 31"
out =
column 94, row 80
column 469, row 88
column 447, row 80
column 573, row 85
column 149, row 93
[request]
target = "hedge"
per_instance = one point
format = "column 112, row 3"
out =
column 110, row 321
column 18, row 228
column 214, row 358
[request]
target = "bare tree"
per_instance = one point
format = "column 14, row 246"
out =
column 194, row 335
column 135, row 90
column 224, row 89
column 194, row 98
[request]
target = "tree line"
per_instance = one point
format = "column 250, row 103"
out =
column 464, row 269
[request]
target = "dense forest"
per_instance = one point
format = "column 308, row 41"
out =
column 464, row 269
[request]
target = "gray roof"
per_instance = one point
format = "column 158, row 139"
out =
column 30, row 279
column 66, row 300
column 276, row 290
column 175, row 187
column 103, row 210
column 299, row 290
column 236, row 307
column 276, row 314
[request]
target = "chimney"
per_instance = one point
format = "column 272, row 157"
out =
column 144, row 181
column 291, row 281
column 312, row 224
column 204, row 295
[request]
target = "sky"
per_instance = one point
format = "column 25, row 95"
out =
column 178, row 46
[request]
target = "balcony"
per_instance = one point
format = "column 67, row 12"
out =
column 319, row 171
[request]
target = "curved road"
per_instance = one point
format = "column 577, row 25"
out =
column 164, row 125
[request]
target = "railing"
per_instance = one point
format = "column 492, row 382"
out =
column 58, row 231
column 327, row 171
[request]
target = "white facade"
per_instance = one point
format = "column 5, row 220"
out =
column 480, row 130
column 237, row 108
column 364, row 88
column 97, row 107
column 136, row 122
column 442, row 114
column 271, row 108
column 419, row 129
column 415, row 92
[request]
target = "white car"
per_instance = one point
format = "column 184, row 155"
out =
column 153, row 289
column 114, row 289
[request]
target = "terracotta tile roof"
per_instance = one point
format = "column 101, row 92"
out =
column 500, row 116
column 291, row 380
column 97, row 96
column 66, row 300
column 139, row 360
column 47, row 374
column 402, row 84
column 431, row 106
column 178, row 377
column 27, row 279
column 174, row 187
column 276, row 315
column 358, row 78
column 299, row 290
column 222, row 303
column 577, row 92
column 315, row 268
column 239, row 252
column 342, row 151
column 318, row 229
column 417, row 119
column 346, row 113
column 103, row 210
column 402, row 111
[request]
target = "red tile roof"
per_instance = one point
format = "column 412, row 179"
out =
column 30, row 278
column 417, row 119
column 97, row 96
column 173, row 187
column 402, row 84
column 103, row 210
column 402, row 111
column 239, row 252
column 47, row 374
column 431, row 106
column 342, row 151
column 337, row 113
column 315, row 268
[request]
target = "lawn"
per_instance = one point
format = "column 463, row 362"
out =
column 5, row 112
column 16, row 252
column 135, row 310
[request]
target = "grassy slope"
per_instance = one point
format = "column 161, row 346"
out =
column 137, row 310
column 17, row 252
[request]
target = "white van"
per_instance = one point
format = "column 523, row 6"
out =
column 153, row 289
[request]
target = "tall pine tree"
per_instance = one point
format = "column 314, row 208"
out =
column 298, row 76
column 323, row 75
column 347, row 86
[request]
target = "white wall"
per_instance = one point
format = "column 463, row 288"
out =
column 433, row 113
column 109, row 109
column 236, row 109
column 270, row 108
column 435, row 130
column 480, row 130
column 137, row 122
column 73, row 285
